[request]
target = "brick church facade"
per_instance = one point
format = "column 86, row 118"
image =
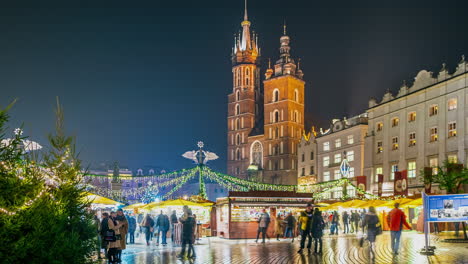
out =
column 265, row 115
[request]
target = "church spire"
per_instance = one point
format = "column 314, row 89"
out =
column 246, row 49
column 246, row 42
column 245, row 11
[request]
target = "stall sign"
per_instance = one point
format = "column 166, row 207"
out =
column 446, row 208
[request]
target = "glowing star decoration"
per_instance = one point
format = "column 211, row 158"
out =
column 200, row 156
column 18, row 132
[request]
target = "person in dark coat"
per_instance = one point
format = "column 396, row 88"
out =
column 371, row 223
column 317, row 230
column 188, row 230
column 131, row 228
column 334, row 223
column 290, row 223
column 103, row 228
column 345, row 222
column 174, row 221
column 162, row 226
column 147, row 225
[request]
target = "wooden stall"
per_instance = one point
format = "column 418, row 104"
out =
column 237, row 214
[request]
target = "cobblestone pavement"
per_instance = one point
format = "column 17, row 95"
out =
column 336, row 249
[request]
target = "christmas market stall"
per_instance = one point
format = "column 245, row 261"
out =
column 101, row 203
column 237, row 214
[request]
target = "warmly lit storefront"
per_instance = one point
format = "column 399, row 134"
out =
column 237, row 215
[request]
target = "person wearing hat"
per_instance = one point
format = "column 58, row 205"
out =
column 305, row 224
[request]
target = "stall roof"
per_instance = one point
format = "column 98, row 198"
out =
column 270, row 194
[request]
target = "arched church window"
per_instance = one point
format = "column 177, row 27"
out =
column 256, row 154
column 296, row 116
column 238, row 154
column 296, row 95
column 237, row 109
column 237, row 123
column 238, row 77
column 247, row 81
column 276, row 132
column 275, row 95
column 237, row 95
column 238, row 139
column 276, row 116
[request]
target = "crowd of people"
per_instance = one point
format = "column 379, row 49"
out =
column 115, row 230
column 311, row 224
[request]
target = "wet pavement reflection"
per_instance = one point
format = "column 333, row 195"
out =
column 336, row 249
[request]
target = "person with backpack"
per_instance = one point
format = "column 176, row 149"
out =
column 372, row 224
column 317, row 230
column 147, row 225
column 162, row 226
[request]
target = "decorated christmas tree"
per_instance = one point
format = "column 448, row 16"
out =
column 44, row 217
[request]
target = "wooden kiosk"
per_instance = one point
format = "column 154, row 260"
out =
column 237, row 214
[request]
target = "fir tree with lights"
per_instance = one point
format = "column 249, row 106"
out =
column 44, row 216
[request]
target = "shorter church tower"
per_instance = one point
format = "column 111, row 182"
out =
column 283, row 116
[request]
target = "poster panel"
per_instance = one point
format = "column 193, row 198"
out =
column 446, row 208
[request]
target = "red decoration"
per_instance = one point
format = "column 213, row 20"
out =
column 361, row 184
column 400, row 185
column 379, row 184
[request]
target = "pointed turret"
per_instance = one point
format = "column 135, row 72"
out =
column 246, row 49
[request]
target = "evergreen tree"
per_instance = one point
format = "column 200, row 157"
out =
column 46, row 217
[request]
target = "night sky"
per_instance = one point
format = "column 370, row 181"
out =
column 142, row 81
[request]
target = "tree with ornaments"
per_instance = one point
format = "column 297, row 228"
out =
column 44, row 215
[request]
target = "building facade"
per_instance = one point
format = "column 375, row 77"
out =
column 265, row 118
column 321, row 154
column 421, row 126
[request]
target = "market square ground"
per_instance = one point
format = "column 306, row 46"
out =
column 337, row 249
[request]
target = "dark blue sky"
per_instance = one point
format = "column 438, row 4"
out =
column 143, row 81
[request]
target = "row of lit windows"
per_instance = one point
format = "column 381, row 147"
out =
column 349, row 140
column 238, row 76
column 338, row 193
column 337, row 174
column 276, row 95
column 433, row 136
column 275, row 116
column 411, row 167
column 337, row 158
column 433, row 110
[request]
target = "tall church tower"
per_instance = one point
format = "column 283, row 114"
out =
column 244, row 103
column 284, row 116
